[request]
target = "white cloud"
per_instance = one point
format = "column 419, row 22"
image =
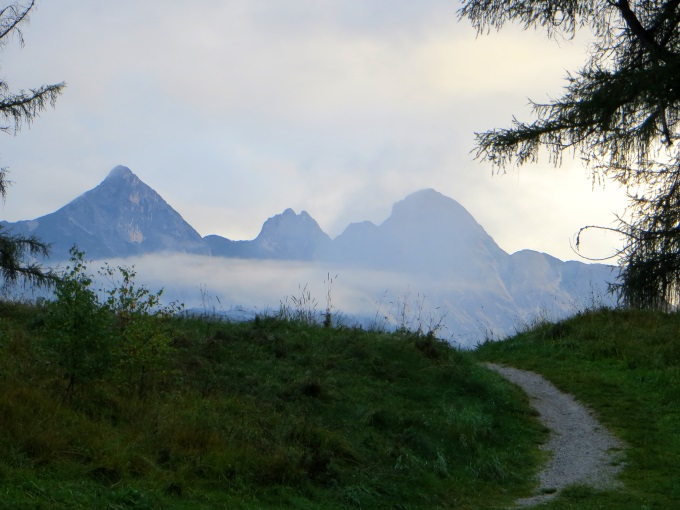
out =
column 465, row 309
column 236, row 110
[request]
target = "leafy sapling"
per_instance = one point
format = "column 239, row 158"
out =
column 76, row 326
column 143, row 345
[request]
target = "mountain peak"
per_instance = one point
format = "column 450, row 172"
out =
column 290, row 236
column 428, row 199
column 424, row 194
column 120, row 171
column 121, row 216
column 430, row 205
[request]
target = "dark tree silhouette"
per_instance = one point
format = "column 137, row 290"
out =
column 619, row 113
column 18, row 109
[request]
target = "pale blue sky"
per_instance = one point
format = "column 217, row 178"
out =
column 234, row 110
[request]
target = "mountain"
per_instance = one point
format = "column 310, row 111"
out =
column 427, row 232
column 447, row 254
column 430, row 245
column 538, row 283
column 121, row 217
column 286, row 236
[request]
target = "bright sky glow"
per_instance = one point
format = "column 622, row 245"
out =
column 234, row 110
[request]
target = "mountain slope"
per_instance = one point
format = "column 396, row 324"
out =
column 427, row 232
column 430, row 246
column 122, row 216
column 285, row 236
column 449, row 257
column 537, row 281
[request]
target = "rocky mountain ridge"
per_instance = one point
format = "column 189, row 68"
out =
column 120, row 217
column 429, row 239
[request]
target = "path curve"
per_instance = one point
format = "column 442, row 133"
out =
column 583, row 451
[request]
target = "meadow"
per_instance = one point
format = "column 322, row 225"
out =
column 625, row 365
column 113, row 401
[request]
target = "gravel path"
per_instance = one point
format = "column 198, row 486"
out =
column 583, row 451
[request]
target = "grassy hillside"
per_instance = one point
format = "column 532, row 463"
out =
column 626, row 366
column 114, row 410
column 111, row 402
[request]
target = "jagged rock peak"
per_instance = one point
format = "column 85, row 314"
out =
column 120, row 171
column 289, row 216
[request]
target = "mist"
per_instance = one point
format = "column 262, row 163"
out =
column 215, row 285
column 459, row 312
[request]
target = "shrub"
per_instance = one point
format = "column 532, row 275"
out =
column 76, row 326
column 142, row 346
column 91, row 337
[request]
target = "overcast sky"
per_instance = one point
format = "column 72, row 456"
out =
column 234, row 110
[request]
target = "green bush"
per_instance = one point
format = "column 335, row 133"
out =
column 142, row 346
column 76, row 327
column 91, row 336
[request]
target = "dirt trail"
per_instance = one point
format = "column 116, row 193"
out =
column 583, row 451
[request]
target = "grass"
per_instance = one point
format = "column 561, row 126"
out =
column 267, row 414
column 626, row 366
column 279, row 414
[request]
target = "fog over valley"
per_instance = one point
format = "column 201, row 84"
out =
column 429, row 265
column 371, row 298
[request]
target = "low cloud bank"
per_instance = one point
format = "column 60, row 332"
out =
column 214, row 284
column 457, row 311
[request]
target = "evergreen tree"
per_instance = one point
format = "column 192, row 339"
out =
column 619, row 113
column 18, row 109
